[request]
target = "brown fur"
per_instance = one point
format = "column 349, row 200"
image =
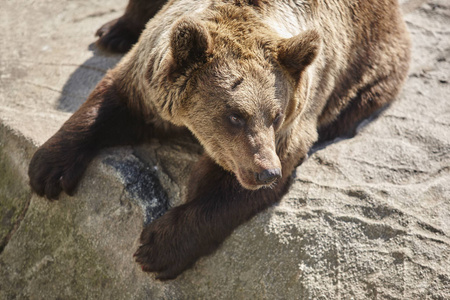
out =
column 256, row 82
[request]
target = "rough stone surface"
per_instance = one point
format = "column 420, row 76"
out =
column 366, row 218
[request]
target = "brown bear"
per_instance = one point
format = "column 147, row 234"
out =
column 256, row 82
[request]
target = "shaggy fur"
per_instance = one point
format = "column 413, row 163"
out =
column 256, row 82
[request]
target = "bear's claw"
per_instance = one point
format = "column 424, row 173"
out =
column 167, row 247
column 51, row 172
column 116, row 36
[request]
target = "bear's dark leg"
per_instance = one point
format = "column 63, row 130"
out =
column 103, row 120
column 216, row 205
column 120, row 34
column 368, row 100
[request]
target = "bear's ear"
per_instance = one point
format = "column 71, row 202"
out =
column 190, row 43
column 298, row 52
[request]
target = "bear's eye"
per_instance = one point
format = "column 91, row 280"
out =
column 277, row 120
column 236, row 120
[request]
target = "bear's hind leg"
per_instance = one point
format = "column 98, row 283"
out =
column 371, row 98
column 120, row 34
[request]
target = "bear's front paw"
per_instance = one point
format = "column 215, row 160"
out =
column 117, row 36
column 52, row 171
column 168, row 247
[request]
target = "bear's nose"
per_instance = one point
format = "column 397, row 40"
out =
column 268, row 176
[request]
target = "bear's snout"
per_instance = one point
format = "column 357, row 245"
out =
column 268, row 176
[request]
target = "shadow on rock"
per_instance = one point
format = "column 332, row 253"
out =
column 85, row 78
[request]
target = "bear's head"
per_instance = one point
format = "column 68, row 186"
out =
column 238, row 87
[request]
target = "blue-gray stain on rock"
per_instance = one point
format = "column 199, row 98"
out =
column 142, row 185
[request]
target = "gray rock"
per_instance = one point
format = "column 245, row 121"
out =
column 366, row 218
